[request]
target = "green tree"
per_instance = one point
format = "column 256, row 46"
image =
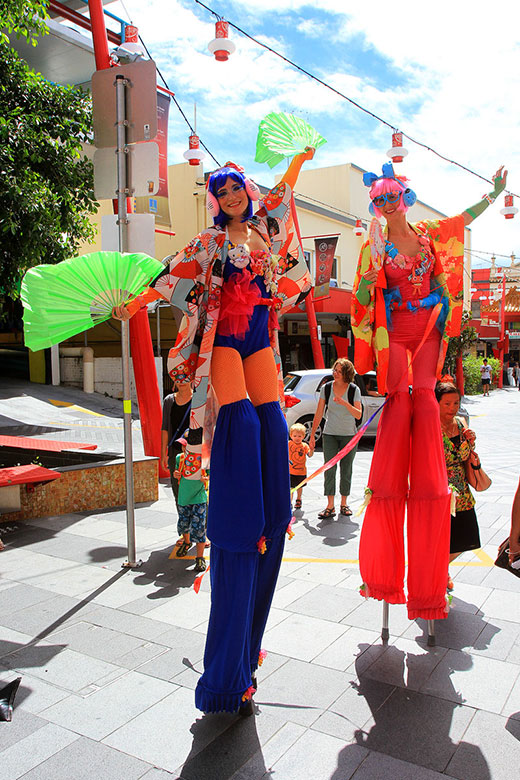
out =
column 460, row 345
column 47, row 188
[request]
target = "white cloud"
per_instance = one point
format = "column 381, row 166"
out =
column 460, row 61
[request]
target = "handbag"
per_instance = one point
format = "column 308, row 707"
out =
column 502, row 560
column 476, row 477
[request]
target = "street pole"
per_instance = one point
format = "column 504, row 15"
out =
column 502, row 327
column 122, row 222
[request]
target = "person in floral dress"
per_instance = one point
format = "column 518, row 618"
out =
column 230, row 281
column 458, row 442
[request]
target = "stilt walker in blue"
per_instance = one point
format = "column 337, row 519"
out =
column 230, row 282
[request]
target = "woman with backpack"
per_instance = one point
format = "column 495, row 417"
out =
column 340, row 402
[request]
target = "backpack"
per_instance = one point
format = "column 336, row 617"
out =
column 350, row 397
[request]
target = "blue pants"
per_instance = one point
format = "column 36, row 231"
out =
column 249, row 498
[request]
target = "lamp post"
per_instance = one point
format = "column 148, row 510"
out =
column 502, row 327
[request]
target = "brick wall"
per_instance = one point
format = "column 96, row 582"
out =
column 81, row 489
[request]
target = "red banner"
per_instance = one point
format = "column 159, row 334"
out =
column 325, row 249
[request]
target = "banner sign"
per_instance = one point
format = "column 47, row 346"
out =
column 325, row 249
column 158, row 204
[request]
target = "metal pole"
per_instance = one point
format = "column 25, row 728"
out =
column 122, row 221
column 158, row 315
column 385, row 633
column 99, row 34
column 502, row 328
column 55, row 364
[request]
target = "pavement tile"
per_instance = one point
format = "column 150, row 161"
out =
column 321, row 573
column 12, row 640
column 42, row 619
column 76, row 580
column 20, row 597
column 269, row 753
column 300, row 636
column 501, row 579
column 320, row 757
column 469, row 597
column 342, row 653
column 89, row 759
column 326, row 602
column 187, row 610
column 107, row 709
column 301, row 690
column 497, row 640
column 32, row 750
column 80, row 549
column 460, row 630
column 96, row 641
column 490, row 749
column 232, row 748
column 405, row 664
column 183, row 731
column 22, row 725
column 133, row 625
column 55, row 664
column 369, row 615
column 291, row 591
column 436, row 726
column 354, row 710
column 477, row 681
column 34, row 695
column 377, row 765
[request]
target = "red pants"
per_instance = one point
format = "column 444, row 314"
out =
column 408, row 469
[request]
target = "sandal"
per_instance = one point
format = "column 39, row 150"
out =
column 327, row 513
column 298, row 503
column 345, row 510
column 200, row 565
column 183, row 549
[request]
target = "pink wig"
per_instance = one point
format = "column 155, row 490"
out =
column 382, row 186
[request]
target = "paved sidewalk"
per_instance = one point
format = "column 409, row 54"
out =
column 110, row 657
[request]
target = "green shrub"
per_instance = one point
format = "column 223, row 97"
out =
column 472, row 379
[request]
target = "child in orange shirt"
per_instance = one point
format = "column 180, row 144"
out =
column 298, row 452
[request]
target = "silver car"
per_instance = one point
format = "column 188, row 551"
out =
column 302, row 392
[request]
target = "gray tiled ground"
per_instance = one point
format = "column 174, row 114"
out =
column 109, row 658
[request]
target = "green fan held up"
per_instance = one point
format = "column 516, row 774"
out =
column 65, row 299
column 283, row 135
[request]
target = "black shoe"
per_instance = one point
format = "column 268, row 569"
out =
column 200, row 565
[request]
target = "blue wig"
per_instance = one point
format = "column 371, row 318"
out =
column 218, row 180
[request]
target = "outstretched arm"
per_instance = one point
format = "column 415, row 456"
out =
column 499, row 180
column 293, row 171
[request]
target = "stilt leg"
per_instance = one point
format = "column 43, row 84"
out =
column 385, row 632
column 431, row 633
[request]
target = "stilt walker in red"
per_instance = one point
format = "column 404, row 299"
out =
column 406, row 304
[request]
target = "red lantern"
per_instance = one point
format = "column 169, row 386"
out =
column 193, row 154
column 131, row 34
column 397, row 152
column 358, row 229
column 220, row 46
column 509, row 211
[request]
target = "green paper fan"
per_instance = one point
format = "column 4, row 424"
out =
column 284, row 135
column 65, row 299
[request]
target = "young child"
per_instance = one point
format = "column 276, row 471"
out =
column 192, row 504
column 298, row 452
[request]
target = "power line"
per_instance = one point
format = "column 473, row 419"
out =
column 345, row 97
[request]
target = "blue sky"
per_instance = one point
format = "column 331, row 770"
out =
column 449, row 78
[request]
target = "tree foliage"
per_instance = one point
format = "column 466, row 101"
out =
column 459, row 345
column 47, row 182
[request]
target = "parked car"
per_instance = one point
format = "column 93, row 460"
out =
column 302, row 392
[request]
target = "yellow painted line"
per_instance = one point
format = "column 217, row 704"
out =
column 484, row 557
column 74, row 407
column 90, row 427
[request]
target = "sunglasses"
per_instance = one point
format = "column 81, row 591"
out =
column 235, row 188
column 389, row 197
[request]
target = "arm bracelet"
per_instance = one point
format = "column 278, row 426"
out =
column 490, row 199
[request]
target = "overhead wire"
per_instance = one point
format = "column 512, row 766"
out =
column 345, row 97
